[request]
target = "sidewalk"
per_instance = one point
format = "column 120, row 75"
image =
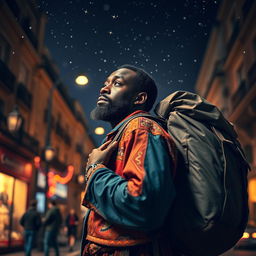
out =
column 63, row 252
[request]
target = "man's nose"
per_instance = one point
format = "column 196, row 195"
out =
column 105, row 89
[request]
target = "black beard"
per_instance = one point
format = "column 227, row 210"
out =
column 110, row 113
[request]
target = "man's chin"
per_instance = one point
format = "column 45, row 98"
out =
column 101, row 112
column 110, row 113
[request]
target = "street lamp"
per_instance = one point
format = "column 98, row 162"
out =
column 99, row 130
column 81, row 179
column 49, row 153
column 14, row 120
column 82, row 80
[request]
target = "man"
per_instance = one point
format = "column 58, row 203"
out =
column 71, row 228
column 52, row 223
column 129, row 188
column 31, row 222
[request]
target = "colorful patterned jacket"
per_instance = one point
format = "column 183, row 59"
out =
column 129, row 198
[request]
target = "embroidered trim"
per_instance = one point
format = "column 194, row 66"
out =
column 116, row 243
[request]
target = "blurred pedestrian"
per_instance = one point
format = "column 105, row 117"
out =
column 31, row 222
column 52, row 223
column 71, row 227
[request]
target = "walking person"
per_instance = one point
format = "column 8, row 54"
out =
column 52, row 223
column 71, row 227
column 31, row 222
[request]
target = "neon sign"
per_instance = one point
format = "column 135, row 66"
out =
column 53, row 179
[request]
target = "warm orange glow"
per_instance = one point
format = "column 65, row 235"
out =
column 81, row 179
column 254, row 235
column 51, row 191
column 51, row 184
column 28, row 169
column 54, row 178
column 37, row 159
column 67, row 178
column 252, row 190
column 245, row 235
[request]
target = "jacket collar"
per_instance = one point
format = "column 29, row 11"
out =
column 114, row 130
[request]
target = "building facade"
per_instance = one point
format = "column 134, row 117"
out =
column 30, row 81
column 227, row 77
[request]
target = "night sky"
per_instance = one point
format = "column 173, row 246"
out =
column 166, row 38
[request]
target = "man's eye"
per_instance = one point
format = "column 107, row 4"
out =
column 116, row 83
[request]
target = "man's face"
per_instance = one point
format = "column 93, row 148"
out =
column 116, row 97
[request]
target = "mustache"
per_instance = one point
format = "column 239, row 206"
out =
column 104, row 97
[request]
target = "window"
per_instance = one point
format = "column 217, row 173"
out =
column 5, row 50
column 23, row 74
column 13, row 193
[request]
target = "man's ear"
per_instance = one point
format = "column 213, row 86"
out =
column 141, row 98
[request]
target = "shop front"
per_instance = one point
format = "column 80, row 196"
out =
column 15, row 177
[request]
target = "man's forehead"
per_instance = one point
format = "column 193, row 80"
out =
column 124, row 73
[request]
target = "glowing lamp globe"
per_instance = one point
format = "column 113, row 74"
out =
column 99, row 131
column 49, row 153
column 14, row 121
column 82, row 80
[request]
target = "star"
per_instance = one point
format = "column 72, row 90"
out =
column 85, row 11
column 114, row 16
column 110, row 32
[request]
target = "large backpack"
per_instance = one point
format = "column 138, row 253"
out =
column 210, row 211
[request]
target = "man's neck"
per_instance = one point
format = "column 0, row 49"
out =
column 114, row 123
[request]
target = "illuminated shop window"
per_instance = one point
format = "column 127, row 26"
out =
column 13, row 196
column 252, row 200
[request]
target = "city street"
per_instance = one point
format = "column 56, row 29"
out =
column 63, row 252
column 240, row 253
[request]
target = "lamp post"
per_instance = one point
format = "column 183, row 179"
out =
column 49, row 151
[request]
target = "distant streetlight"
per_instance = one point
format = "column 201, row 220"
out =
column 14, row 120
column 81, row 179
column 99, row 131
column 82, row 80
column 49, row 153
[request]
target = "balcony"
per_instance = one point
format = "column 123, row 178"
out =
column 24, row 95
column 6, row 76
